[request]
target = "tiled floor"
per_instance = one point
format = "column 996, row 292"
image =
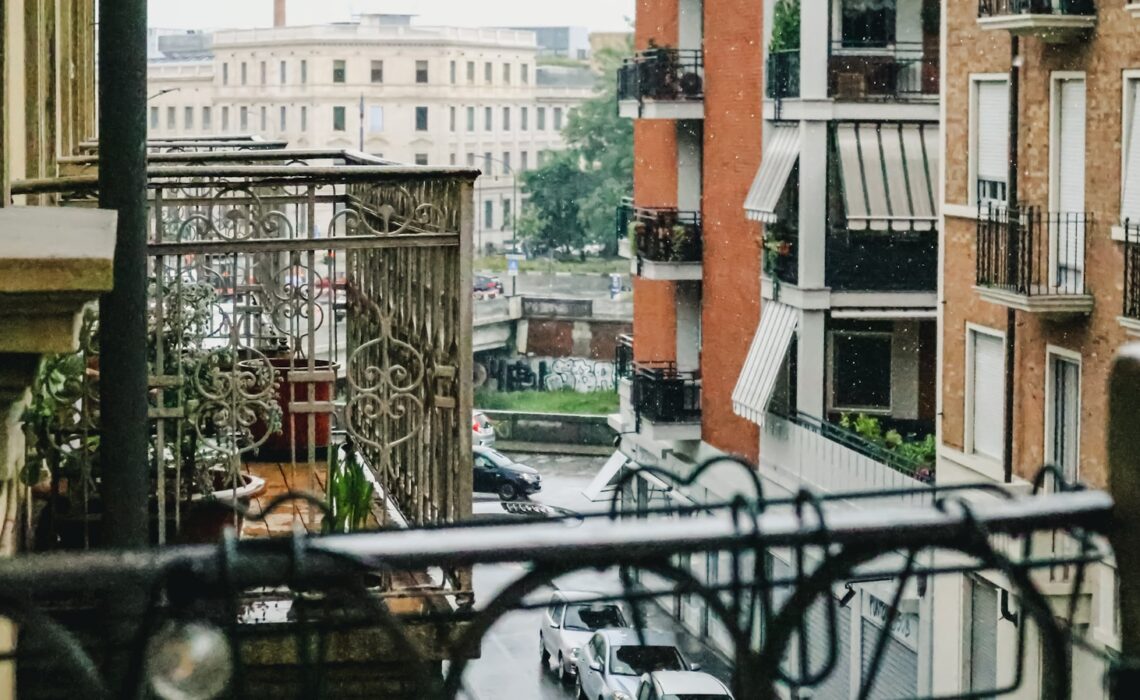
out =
column 281, row 478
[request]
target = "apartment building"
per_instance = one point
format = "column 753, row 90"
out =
column 1039, row 285
column 422, row 95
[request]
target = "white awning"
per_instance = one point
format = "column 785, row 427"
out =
column 890, row 175
column 762, row 366
column 605, row 476
column 779, row 156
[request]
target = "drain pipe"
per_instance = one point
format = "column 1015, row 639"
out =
column 1012, row 258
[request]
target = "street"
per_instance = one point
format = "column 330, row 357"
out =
column 509, row 666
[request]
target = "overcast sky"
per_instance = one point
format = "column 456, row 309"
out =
column 598, row 15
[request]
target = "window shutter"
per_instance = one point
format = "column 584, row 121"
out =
column 993, row 130
column 1130, row 205
column 1071, row 161
column 897, row 676
column 988, row 392
column 983, row 636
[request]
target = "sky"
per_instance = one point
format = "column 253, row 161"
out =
column 596, row 15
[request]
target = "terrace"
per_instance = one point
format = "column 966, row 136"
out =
column 1053, row 21
column 662, row 83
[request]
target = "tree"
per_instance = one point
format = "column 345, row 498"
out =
column 596, row 169
column 785, row 26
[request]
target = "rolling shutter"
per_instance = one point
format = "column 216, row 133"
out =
column 993, row 130
column 982, row 663
column 988, row 364
column 838, row 682
column 1071, row 185
column 1130, row 204
column 897, row 676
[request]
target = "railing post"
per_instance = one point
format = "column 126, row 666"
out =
column 1124, row 486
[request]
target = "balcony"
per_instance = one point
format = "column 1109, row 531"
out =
column 882, row 261
column 1052, row 21
column 783, row 74
column 900, row 72
column 665, row 242
column 1130, row 317
column 623, row 358
column 1033, row 260
column 662, row 83
column 667, row 401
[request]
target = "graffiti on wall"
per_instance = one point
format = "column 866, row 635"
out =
column 579, row 374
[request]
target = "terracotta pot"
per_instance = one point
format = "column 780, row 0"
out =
column 293, row 437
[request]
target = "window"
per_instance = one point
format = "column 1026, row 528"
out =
column 243, row 74
column 487, row 161
column 263, row 78
column 453, row 159
column 207, row 118
column 985, row 392
column 451, row 119
column 541, row 158
column 304, row 118
column 339, row 71
column 225, row 74
column 868, row 23
column 375, row 119
column 421, row 159
column 377, row 71
column 1130, row 176
column 860, row 371
column 421, row 118
column 282, row 75
column 264, row 119
column 338, row 119
column 453, row 72
column 1063, row 412
column 1067, row 152
column 981, row 652
column 524, row 113
column 506, row 74
column 154, row 117
column 171, row 117
column 507, row 162
column 506, row 118
column 506, row 214
column 243, row 117
column 488, row 119
column 471, row 119
column 421, row 71
column 471, row 71
column 471, row 160
column 525, row 70
column 283, row 120
column 558, row 119
column 523, row 161
column 991, row 140
column 304, row 71
column 188, row 118
column 488, row 214
column 225, row 118
column 488, row 73
column 540, row 118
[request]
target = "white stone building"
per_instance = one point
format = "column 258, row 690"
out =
column 425, row 95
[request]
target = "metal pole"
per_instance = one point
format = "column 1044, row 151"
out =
column 1013, row 257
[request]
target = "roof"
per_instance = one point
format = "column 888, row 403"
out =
column 687, row 683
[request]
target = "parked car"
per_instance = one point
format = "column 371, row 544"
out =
column 515, row 511
column 681, row 685
column 487, row 287
column 611, row 664
column 497, row 473
column 484, row 432
column 569, row 622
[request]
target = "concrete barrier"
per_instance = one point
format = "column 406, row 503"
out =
column 551, row 428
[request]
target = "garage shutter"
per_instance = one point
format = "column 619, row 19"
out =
column 837, row 685
column 983, row 635
column 1130, row 206
column 988, row 363
column 897, row 676
column 993, row 130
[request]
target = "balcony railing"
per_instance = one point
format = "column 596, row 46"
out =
column 899, row 72
column 1030, row 252
column 662, row 74
column 783, row 77
column 623, row 358
column 1000, row 8
column 892, row 262
column 663, row 394
column 1052, row 21
column 1132, row 270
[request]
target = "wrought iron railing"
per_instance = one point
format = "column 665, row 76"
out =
column 666, row 234
column 663, row 394
column 1132, row 269
column 1032, row 252
column 899, row 72
column 999, row 8
column 623, row 358
column 783, row 74
column 896, row 261
column 664, row 74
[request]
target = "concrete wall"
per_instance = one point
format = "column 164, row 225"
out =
column 558, row 428
column 592, row 339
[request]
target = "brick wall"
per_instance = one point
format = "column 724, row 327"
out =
column 596, row 340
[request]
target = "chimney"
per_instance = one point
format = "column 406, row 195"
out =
column 278, row 13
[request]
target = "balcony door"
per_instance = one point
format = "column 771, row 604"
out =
column 1063, row 419
column 1067, row 224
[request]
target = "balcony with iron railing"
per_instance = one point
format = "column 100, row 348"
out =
column 1130, row 316
column 666, row 401
column 899, row 72
column 1033, row 260
column 662, row 83
column 665, row 241
column 878, row 261
column 783, row 74
column 623, row 358
column 1053, row 21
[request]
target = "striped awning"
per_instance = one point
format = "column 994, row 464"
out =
column 779, row 156
column 762, row 366
column 890, row 175
column 603, row 480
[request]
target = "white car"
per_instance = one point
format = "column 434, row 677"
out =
column 569, row 622
column 484, row 435
column 611, row 664
column 681, row 685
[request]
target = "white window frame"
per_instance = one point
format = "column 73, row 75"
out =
column 1055, row 80
column 1130, row 84
column 975, row 78
column 832, row 406
column 1051, row 352
column 968, row 415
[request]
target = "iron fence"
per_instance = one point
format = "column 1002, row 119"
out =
column 664, row 394
column 1000, row 8
column 903, row 71
column 1131, row 270
column 1032, row 252
column 664, row 74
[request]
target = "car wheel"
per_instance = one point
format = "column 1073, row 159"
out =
column 563, row 674
column 508, row 492
column 543, row 653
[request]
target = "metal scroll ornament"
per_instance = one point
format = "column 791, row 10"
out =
column 385, row 378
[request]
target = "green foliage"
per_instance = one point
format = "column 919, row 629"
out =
column 562, row 401
column 785, row 26
column 349, row 492
column 550, row 220
column 869, row 428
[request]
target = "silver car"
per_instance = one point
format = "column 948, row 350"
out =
column 569, row 622
column 484, row 432
column 611, row 664
column 681, row 685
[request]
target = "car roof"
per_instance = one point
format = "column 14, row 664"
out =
column 687, row 683
column 624, row 636
column 576, row 596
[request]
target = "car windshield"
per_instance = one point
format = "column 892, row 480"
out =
column 593, row 617
column 636, row 660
